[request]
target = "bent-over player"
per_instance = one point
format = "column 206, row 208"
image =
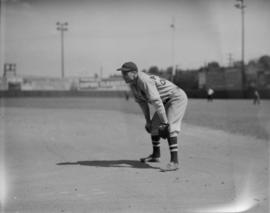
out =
column 169, row 102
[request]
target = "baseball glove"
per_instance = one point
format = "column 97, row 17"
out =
column 163, row 130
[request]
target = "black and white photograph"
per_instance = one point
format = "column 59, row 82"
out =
column 134, row 106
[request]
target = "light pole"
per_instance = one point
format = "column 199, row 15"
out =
column 241, row 5
column 173, row 48
column 62, row 27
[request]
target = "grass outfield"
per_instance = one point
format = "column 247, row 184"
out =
column 234, row 116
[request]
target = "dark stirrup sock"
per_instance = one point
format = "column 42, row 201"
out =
column 156, row 145
column 173, row 149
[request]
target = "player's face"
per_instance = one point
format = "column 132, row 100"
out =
column 129, row 77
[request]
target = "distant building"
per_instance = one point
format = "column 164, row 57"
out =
column 46, row 83
column 233, row 79
column 114, row 83
column 258, row 77
column 263, row 80
column 88, row 83
column 221, row 79
column 251, row 71
column 110, row 83
column 10, row 80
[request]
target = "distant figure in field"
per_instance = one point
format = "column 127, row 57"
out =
column 256, row 97
column 127, row 96
column 210, row 94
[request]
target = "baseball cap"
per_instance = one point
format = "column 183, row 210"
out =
column 128, row 66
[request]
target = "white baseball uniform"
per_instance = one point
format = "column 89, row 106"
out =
column 168, row 100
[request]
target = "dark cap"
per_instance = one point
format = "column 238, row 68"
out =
column 128, row 66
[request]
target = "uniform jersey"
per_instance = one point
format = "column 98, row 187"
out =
column 210, row 91
column 149, row 88
column 154, row 90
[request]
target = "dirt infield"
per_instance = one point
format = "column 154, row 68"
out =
column 86, row 160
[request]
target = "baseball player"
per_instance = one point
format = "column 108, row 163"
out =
column 169, row 102
column 210, row 94
column 256, row 97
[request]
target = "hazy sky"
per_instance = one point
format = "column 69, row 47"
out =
column 106, row 33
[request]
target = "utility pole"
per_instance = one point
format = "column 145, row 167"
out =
column 62, row 27
column 230, row 59
column 173, row 48
column 241, row 6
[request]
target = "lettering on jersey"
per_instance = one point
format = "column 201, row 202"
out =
column 158, row 79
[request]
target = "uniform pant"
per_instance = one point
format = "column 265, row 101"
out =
column 175, row 109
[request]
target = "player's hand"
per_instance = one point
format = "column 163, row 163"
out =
column 148, row 127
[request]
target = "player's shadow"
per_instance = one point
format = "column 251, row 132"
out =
column 110, row 163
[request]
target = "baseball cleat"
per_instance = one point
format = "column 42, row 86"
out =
column 150, row 159
column 172, row 166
